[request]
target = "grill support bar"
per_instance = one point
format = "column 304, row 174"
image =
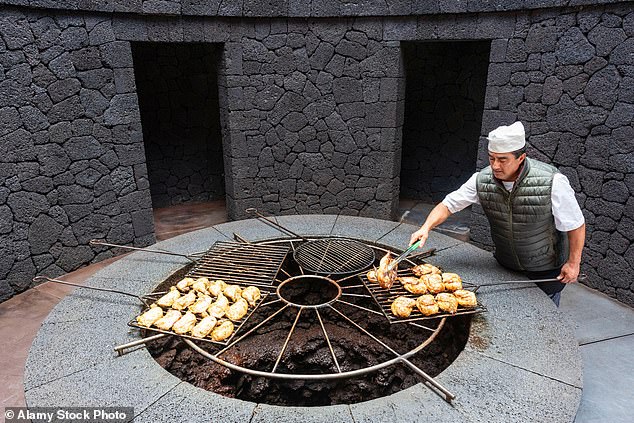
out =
column 332, row 351
column 288, row 338
column 362, row 308
column 120, row 348
column 253, row 329
column 448, row 395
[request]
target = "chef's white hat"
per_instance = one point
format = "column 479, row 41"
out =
column 505, row 139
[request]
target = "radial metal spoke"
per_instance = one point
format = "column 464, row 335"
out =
column 349, row 277
column 448, row 395
column 270, row 302
column 352, row 286
column 422, row 326
column 279, row 357
column 362, row 308
column 332, row 351
column 356, row 295
column 288, row 275
column 250, row 331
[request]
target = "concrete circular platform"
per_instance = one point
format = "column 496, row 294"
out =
column 521, row 362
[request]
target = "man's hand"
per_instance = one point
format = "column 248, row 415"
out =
column 569, row 272
column 422, row 234
column 439, row 214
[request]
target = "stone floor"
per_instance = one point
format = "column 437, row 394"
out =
column 604, row 327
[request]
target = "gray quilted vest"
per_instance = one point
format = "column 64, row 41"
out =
column 522, row 223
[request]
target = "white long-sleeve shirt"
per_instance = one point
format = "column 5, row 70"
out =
column 565, row 208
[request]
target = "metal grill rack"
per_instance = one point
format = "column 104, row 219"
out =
column 241, row 263
column 334, row 256
column 237, row 324
column 384, row 298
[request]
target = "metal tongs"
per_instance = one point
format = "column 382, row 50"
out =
column 404, row 255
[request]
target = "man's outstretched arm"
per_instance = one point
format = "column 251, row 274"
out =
column 438, row 215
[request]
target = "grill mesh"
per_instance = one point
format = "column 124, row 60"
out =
column 334, row 256
column 245, row 264
column 237, row 324
column 384, row 298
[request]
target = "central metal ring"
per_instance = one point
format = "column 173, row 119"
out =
column 309, row 291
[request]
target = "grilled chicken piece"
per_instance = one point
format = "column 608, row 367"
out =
column 371, row 275
column 222, row 331
column 152, row 315
column 426, row 305
column 219, row 307
column 184, row 301
column 203, row 327
column 465, row 298
column 434, row 283
column 251, row 294
column 201, row 305
column 451, row 281
column 402, row 306
column 166, row 322
column 447, row 302
column 201, row 284
column 413, row 285
column 168, row 299
column 234, row 292
column 237, row 310
column 386, row 277
column 185, row 284
column 216, row 287
column 425, row 269
column 185, row 323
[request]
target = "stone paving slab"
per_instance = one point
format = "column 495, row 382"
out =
column 595, row 315
column 309, row 225
column 197, row 405
column 607, row 389
column 250, row 229
column 129, row 381
column 88, row 304
column 142, row 266
column 362, row 228
column 264, row 413
column 195, row 241
column 415, row 404
column 62, row 349
column 490, row 391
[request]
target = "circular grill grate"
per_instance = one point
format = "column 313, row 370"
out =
column 334, row 256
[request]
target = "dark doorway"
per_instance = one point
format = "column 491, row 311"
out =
column 177, row 87
column 444, row 101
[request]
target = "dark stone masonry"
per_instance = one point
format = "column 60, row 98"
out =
column 108, row 109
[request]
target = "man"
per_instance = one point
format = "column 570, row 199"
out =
column 536, row 223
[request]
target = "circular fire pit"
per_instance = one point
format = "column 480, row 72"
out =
column 520, row 361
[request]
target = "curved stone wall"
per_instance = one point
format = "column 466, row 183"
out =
column 311, row 113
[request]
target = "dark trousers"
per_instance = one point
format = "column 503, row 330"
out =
column 552, row 289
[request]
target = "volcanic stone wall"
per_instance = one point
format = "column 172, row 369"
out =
column 312, row 100
column 445, row 82
column 178, row 100
column 72, row 165
column 569, row 77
